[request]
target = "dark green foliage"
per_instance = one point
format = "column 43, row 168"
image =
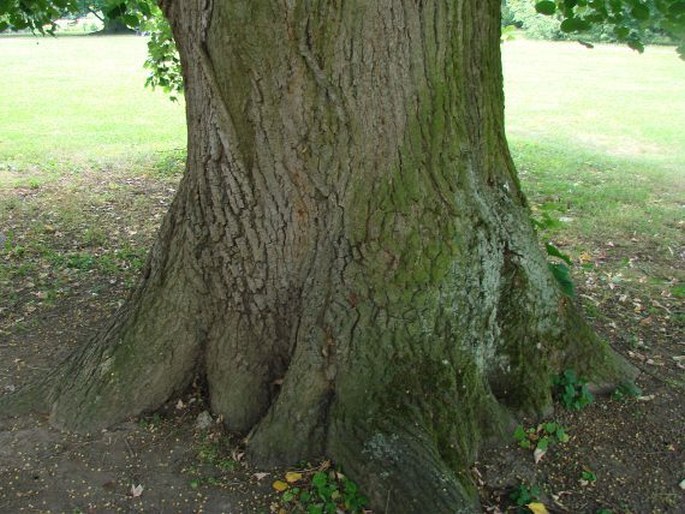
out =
column 523, row 495
column 553, row 251
column 562, row 275
column 523, row 15
column 541, row 436
column 632, row 22
column 328, row 492
column 36, row 16
column 560, row 270
column 626, row 389
column 547, row 7
column 572, row 391
column 163, row 60
column 588, row 476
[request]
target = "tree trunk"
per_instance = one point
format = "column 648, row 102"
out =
column 349, row 260
column 114, row 26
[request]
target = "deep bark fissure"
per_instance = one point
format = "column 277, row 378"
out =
column 349, row 259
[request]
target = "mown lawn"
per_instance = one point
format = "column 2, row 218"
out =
column 599, row 135
column 73, row 102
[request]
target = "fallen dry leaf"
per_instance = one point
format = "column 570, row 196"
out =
column 585, row 257
column 136, row 490
column 292, row 476
column 537, row 508
column 260, row 475
column 280, row 486
column 538, row 454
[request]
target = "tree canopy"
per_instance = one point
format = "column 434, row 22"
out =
column 628, row 19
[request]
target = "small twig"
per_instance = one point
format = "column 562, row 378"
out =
column 130, row 449
column 101, row 18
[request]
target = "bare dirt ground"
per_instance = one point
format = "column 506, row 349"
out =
column 624, row 455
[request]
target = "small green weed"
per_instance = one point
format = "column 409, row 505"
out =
column 587, row 477
column 678, row 290
column 213, row 460
column 541, row 436
column 213, row 450
column 523, row 494
column 327, row 492
column 150, row 423
column 626, row 390
column 572, row 391
column 171, row 163
column 196, row 482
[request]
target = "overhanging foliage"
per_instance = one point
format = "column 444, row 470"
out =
column 628, row 18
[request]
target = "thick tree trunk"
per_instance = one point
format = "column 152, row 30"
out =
column 349, row 260
column 114, row 26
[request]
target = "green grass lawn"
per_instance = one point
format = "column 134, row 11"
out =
column 69, row 102
column 599, row 137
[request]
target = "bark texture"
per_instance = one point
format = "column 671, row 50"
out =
column 349, row 260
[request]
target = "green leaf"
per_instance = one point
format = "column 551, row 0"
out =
column 116, row 11
column 555, row 252
column 546, row 7
column 131, row 20
column 562, row 436
column 315, row 509
column 640, row 12
column 588, row 475
column 144, row 9
column 574, row 25
column 621, row 32
column 563, row 277
column 677, row 8
column 520, row 434
column 543, row 443
column 319, row 479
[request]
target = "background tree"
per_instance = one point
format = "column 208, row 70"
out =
column 110, row 17
column 633, row 22
column 349, row 262
column 594, row 21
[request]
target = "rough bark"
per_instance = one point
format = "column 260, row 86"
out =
column 349, row 260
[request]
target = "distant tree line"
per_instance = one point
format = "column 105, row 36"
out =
column 525, row 15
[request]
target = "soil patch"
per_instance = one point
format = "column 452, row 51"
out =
column 65, row 276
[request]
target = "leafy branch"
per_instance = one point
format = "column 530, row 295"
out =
column 629, row 18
